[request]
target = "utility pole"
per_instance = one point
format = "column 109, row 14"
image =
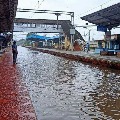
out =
column 72, row 30
column 88, row 34
column 72, row 33
column 89, row 37
column 57, row 14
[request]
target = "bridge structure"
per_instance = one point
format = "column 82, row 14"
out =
column 63, row 27
column 38, row 25
column 41, row 25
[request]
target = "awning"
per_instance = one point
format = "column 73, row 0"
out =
column 108, row 17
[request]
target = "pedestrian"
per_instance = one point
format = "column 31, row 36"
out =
column 87, row 47
column 14, row 51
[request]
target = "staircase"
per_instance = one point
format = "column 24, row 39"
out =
column 66, row 26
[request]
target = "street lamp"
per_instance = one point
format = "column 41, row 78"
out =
column 88, row 34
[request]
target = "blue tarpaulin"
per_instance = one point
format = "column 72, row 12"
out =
column 38, row 37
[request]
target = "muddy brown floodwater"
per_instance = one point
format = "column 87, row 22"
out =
column 62, row 89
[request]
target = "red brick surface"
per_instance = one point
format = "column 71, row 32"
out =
column 15, row 103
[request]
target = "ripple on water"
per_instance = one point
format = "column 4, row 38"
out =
column 67, row 90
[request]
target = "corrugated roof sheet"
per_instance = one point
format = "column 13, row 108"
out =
column 109, row 17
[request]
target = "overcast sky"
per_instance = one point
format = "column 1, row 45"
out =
column 79, row 7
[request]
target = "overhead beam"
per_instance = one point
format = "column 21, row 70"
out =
column 44, row 11
column 40, row 21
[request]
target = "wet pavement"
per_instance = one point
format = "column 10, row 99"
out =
column 85, row 54
column 62, row 89
column 15, row 102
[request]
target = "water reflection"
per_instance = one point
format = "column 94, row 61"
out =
column 108, row 97
column 67, row 90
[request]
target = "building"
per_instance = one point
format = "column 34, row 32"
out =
column 113, row 43
column 109, row 44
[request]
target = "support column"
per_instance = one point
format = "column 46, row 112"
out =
column 57, row 14
column 71, row 42
column 72, row 32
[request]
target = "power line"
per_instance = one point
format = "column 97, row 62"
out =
column 77, row 17
column 95, row 7
column 39, row 4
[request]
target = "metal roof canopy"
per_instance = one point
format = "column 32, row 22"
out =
column 108, row 17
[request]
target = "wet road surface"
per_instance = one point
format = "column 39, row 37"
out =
column 62, row 89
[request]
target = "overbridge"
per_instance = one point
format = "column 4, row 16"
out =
column 45, row 26
column 38, row 25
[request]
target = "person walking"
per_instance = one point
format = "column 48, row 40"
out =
column 14, row 51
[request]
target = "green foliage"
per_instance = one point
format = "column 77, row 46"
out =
column 21, row 42
column 29, row 34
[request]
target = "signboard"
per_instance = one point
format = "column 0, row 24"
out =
column 113, row 37
column 101, row 28
column 108, row 35
column 72, row 31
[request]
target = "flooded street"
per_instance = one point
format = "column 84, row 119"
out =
column 62, row 89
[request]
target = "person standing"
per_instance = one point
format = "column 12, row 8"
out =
column 14, row 51
column 87, row 47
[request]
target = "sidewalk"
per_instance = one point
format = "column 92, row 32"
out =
column 15, row 102
column 90, row 57
column 85, row 54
